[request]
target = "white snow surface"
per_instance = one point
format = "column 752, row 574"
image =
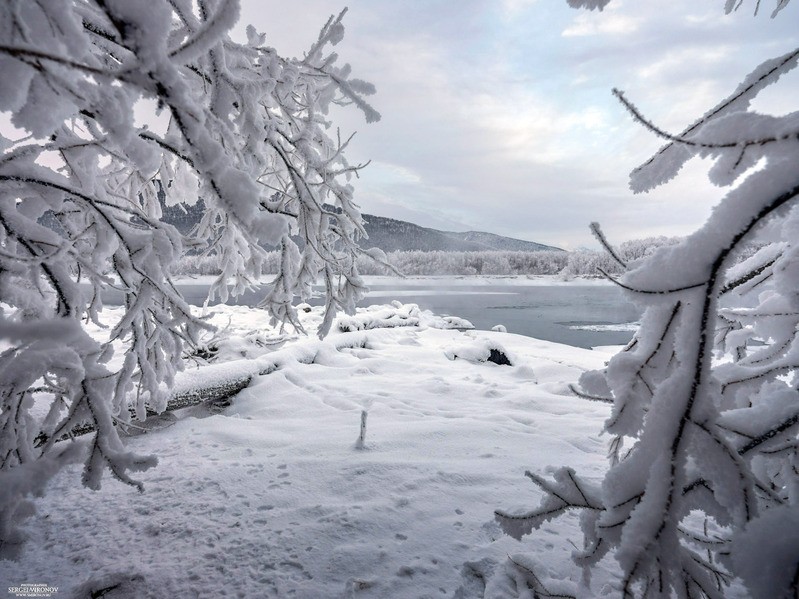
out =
column 271, row 497
column 624, row 326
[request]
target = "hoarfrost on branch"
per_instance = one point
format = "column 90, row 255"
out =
column 80, row 205
column 703, row 484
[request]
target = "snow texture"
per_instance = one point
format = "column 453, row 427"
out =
column 270, row 497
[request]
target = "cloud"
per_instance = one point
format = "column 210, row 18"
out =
column 511, row 8
column 612, row 21
column 498, row 115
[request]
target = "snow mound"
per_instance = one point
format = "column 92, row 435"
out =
column 398, row 315
column 481, row 350
column 381, row 317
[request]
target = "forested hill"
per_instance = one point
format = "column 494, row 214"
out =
column 397, row 235
column 391, row 235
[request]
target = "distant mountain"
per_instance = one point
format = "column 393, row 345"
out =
column 181, row 216
column 398, row 235
column 391, row 235
column 499, row 242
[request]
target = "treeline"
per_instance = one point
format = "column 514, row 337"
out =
column 419, row 263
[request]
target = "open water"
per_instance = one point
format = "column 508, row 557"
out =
column 578, row 315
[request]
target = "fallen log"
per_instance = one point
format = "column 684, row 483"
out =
column 210, row 394
column 215, row 384
column 185, row 395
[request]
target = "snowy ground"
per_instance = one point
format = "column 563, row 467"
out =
column 272, row 498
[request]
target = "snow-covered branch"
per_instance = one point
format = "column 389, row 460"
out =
column 705, row 396
column 81, row 203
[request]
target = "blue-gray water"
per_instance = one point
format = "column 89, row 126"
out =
column 560, row 313
column 572, row 314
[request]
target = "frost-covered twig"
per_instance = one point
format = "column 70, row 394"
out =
column 576, row 391
column 741, row 144
column 600, row 237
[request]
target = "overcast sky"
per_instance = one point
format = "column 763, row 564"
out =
column 497, row 115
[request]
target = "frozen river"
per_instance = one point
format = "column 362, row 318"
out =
column 579, row 313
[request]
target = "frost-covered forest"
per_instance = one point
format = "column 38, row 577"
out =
column 159, row 449
column 420, row 263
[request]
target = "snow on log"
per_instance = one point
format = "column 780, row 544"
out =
column 216, row 383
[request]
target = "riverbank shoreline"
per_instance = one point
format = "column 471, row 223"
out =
column 581, row 312
column 453, row 280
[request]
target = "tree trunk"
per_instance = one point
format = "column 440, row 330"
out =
column 213, row 392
